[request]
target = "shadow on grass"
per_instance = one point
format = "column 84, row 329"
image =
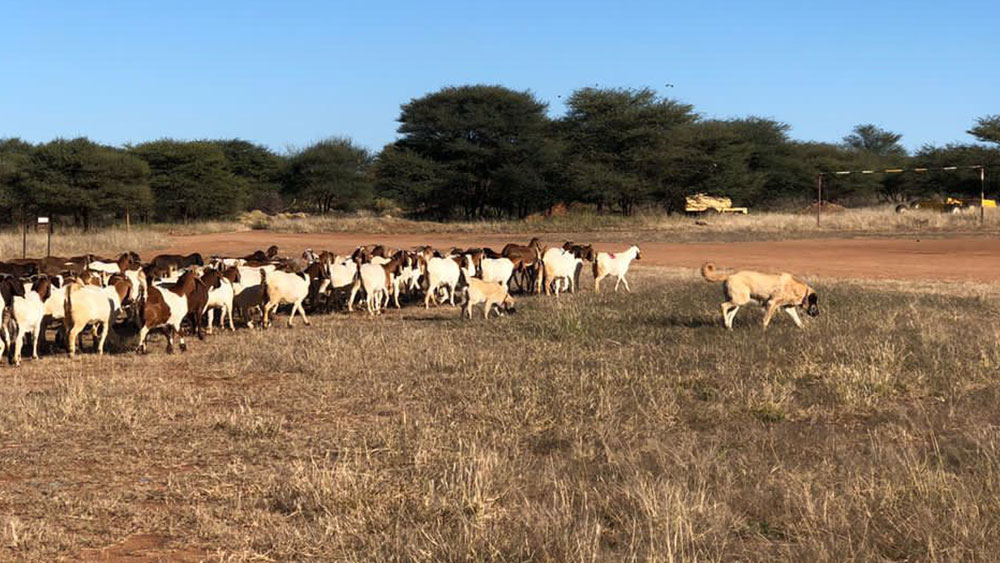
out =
column 685, row 321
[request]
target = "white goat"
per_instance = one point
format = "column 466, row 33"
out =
column 443, row 274
column 253, row 275
column 560, row 267
column 614, row 264
column 373, row 279
column 220, row 297
column 87, row 304
column 138, row 279
column 28, row 313
column 342, row 272
column 284, row 287
column 251, row 278
column 497, row 270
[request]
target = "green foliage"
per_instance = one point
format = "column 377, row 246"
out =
column 15, row 161
column 259, row 167
column 987, row 129
column 330, row 175
column 79, row 178
column 617, row 144
column 404, row 176
column 489, row 152
column 191, row 180
column 487, row 147
column 955, row 183
column 875, row 140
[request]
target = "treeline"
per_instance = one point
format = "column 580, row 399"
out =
column 475, row 152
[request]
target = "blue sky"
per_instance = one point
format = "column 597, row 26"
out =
column 287, row 74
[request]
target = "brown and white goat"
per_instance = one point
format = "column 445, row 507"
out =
column 165, row 306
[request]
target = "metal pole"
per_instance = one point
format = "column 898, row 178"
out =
column 819, row 196
column 982, row 195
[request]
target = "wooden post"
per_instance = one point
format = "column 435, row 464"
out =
column 24, row 238
column 128, row 222
column 48, row 243
column 982, row 195
column 819, row 196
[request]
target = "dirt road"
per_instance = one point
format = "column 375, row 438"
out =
column 958, row 259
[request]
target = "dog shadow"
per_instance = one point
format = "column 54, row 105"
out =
column 685, row 321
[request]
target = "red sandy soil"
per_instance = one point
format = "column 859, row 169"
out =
column 956, row 259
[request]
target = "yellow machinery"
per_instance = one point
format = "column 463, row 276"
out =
column 952, row 204
column 703, row 203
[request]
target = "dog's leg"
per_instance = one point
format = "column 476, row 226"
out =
column 771, row 309
column 729, row 311
column 795, row 316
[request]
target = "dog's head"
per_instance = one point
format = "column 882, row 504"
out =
column 811, row 304
column 508, row 305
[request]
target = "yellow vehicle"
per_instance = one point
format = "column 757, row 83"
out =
column 703, row 203
column 952, row 204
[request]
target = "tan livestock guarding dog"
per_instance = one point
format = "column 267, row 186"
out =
column 773, row 291
column 489, row 294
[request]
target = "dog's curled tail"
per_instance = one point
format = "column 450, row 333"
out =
column 710, row 274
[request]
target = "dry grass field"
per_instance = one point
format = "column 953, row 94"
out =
column 591, row 427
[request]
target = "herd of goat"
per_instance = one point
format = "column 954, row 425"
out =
column 180, row 294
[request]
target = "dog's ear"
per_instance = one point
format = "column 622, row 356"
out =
column 812, row 300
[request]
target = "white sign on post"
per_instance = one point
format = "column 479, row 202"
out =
column 43, row 220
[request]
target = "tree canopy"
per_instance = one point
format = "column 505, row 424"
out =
column 330, row 175
column 191, row 180
column 485, row 152
column 987, row 129
column 489, row 148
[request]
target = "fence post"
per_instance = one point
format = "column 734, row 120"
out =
column 819, row 196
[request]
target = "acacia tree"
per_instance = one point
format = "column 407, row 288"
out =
column 875, row 140
column 259, row 167
column 409, row 179
column 987, row 129
column 331, row 174
column 191, row 180
column 615, row 141
column 488, row 147
column 83, row 179
column 878, row 148
column 15, row 161
column 964, row 182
